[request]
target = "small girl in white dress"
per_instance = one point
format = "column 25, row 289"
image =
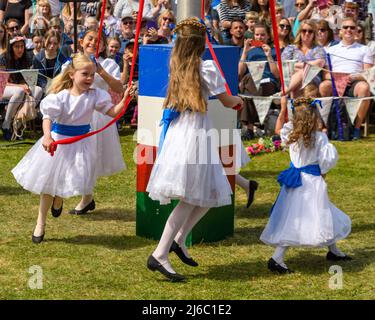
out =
column 188, row 166
column 302, row 214
column 67, row 111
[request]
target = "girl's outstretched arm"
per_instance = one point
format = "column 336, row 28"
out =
column 47, row 138
column 281, row 118
column 230, row 101
column 115, row 110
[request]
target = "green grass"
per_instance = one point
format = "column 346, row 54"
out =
column 98, row 256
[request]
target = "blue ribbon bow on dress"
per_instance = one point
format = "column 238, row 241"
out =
column 168, row 116
column 291, row 177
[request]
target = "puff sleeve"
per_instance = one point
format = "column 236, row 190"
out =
column 285, row 131
column 212, row 78
column 51, row 107
column 103, row 101
column 327, row 153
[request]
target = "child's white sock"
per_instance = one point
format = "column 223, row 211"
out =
column 243, row 183
column 44, row 206
column 174, row 223
column 333, row 248
column 278, row 255
column 197, row 214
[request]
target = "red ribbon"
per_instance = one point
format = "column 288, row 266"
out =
column 100, row 28
column 54, row 144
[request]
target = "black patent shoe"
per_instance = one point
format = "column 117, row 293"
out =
column 56, row 212
column 274, row 266
column 177, row 250
column 89, row 207
column 37, row 239
column 332, row 257
column 253, row 185
column 154, row 265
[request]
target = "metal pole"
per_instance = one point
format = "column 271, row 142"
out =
column 75, row 26
column 188, row 8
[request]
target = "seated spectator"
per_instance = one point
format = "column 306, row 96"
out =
column 325, row 35
column 304, row 11
column 67, row 15
column 229, row 10
column 212, row 22
column 16, row 58
column 49, row 60
column 13, row 27
column 351, row 9
column 127, row 24
column 3, row 39
column 279, row 12
column 285, row 33
column 111, row 23
column 269, row 83
column 251, row 19
column 360, row 36
column 131, row 7
column 42, row 17
column 342, row 61
column 38, row 41
column 263, row 9
column 159, row 6
column 304, row 50
column 21, row 10
column 113, row 50
column 165, row 22
column 237, row 32
column 57, row 25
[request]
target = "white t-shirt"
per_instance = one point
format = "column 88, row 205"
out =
column 350, row 59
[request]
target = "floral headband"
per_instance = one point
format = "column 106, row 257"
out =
column 312, row 103
column 191, row 22
column 18, row 38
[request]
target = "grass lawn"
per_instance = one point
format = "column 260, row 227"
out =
column 98, row 256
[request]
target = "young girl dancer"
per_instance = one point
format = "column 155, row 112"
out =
column 302, row 214
column 67, row 111
column 176, row 173
column 109, row 154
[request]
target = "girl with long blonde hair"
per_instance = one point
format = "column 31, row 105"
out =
column 199, row 184
column 67, row 111
column 303, row 215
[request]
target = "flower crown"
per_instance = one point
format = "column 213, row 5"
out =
column 306, row 101
column 17, row 38
column 190, row 22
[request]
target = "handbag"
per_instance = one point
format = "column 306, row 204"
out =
column 26, row 112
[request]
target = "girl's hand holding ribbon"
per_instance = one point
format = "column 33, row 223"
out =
column 47, row 141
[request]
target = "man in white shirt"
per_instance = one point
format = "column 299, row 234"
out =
column 352, row 58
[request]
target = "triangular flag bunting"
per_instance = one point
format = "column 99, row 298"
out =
column 256, row 69
column 3, row 82
column 116, row 97
column 262, row 105
column 352, row 106
column 309, row 73
column 341, row 81
column 324, row 112
column 288, row 70
column 31, row 77
column 369, row 75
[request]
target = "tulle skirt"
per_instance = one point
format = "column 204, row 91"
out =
column 70, row 172
column 109, row 155
column 188, row 166
column 304, row 216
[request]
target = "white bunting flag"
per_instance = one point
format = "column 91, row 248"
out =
column 31, row 77
column 324, row 112
column 352, row 106
column 288, row 70
column 369, row 75
column 309, row 73
column 256, row 69
column 262, row 105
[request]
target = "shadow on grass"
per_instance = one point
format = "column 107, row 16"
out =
column 112, row 242
column 12, row 191
column 256, row 211
column 363, row 227
column 254, row 174
column 110, row 214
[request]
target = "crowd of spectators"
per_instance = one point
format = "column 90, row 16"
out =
column 38, row 34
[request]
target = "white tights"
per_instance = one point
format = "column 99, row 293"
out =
column 46, row 201
column 181, row 221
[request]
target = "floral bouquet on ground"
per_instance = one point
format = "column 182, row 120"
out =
column 265, row 145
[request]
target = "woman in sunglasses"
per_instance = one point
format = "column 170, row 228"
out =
column 325, row 35
column 285, row 33
column 16, row 9
column 305, row 50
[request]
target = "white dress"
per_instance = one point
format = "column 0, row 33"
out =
column 304, row 216
column 71, row 171
column 110, row 159
column 188, row 166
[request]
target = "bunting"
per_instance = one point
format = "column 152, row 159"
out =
column 31, row 77
column 256, row 69
column 309, row 73
column 369, row 75
column 324, row 112
column 341, row 81
column 288, row 70
column 262, row 105
column 352, row 106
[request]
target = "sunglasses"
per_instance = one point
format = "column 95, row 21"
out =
column 284, row 26
column 169, row 19
column 14, row 28
column 299, row 5
column 309, row 31
column 349, row 27
column 322, row 30
column 127, row 22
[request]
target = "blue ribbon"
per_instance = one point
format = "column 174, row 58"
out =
column 70, row 131
column 207, row 31
column 168, row 116
column 313, row 104
column 291, row 177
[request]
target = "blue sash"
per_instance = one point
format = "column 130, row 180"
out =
column 291, row 177
column 70, row 131
column 168, row 116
